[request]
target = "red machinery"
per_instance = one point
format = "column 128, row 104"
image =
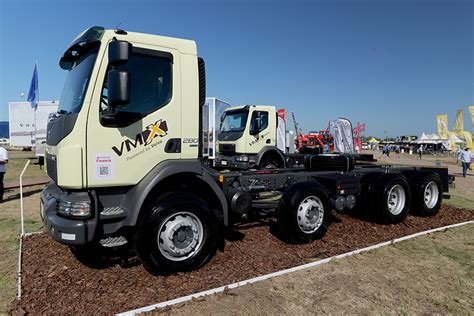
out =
column 314, row 142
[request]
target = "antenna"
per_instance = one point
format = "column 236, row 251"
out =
column 116, row 28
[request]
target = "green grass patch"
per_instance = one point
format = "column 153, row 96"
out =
column 459, row 200
column 16, row 163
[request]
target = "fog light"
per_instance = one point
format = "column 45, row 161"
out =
column 351, row 201
column 340, row 203
column 74, row 209
column 242, row 158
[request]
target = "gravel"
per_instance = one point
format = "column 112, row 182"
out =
column 55, row 282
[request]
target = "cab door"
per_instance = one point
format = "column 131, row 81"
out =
column 259, row 130
column 151, row 129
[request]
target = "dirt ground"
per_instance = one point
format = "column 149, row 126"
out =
column 432, row 274
column 120, row 284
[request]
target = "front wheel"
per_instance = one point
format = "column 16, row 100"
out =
column 178, row 233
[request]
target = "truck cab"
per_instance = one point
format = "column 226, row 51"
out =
column 248, row 138
column 119, row 136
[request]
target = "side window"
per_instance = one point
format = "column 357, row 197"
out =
column 263, row 120
column 150, row 81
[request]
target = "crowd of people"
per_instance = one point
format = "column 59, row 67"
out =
column 386, row 149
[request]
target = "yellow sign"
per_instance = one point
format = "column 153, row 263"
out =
column 471, row 110
column 442, row 123
column 467, row 136
column 459, row 123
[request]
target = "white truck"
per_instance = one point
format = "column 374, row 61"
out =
column 27, row 126
column 124, row 153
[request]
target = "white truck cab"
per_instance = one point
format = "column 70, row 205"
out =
column 248, row 138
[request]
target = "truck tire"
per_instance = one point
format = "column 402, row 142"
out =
column 391, row 198
column 427, row 193
column 178, row 233
column 303, row 214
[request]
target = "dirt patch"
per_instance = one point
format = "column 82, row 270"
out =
column 55, row 282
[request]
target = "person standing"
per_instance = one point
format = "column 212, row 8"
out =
column 465, row 158
column 3, row 169
column 420, row 151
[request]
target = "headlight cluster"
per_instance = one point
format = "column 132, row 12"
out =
column 242, row 158
column 75, row 209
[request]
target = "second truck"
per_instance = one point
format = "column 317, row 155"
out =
column 124, row 155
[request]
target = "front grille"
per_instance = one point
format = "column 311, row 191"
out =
column 51, row 167
column 227, row 148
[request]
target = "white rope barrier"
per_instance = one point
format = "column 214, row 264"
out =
column 22, row 234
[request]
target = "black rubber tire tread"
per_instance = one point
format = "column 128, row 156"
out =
column 380, row 194
column 418, row 185
column 287, row 212
column 145, row 238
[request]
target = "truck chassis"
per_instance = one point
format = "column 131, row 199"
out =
column 179, row 228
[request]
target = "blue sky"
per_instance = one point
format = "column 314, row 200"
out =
column 391, row 64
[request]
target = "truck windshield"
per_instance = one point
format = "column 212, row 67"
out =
column 234, row 121
column 77, row 79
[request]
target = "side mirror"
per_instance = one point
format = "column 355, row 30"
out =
column 119, row 52
column 118, row 88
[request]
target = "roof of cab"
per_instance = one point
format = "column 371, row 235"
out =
column 241, row 107
column 182, row 45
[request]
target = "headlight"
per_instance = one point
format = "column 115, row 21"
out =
column 242, row 158
column 74, row 209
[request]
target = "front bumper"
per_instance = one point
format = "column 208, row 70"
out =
column 229, row 162
column 65, row 230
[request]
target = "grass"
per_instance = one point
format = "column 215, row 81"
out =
column 459, row 200
column 16, row 162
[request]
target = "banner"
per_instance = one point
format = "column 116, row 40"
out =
column 471, row 110
column 459, row 123
column 442, row 123
column 467, row 136
column 343, row 139
column 452, row 141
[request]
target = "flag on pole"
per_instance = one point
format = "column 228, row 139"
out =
column 33, row 93
column 442, row 124
column 459, row 123
column 471, row 110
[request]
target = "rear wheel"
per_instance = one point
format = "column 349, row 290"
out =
column 303, row 214
column 178, row 233
column 391, row 198
column 427, row 194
